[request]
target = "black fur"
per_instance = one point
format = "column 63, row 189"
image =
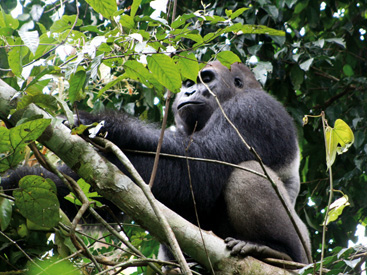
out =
column 203, row 132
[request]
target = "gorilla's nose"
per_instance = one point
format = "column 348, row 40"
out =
column 190, row 92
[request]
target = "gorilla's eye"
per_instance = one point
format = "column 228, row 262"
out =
column 207, row 76
column 238, row 82
column 188, row 83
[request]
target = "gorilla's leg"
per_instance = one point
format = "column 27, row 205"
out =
column 255, row 212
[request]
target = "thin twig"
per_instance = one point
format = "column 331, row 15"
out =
column 196, row 212
column 200, row 159
column 160, row 141
column 331, row 188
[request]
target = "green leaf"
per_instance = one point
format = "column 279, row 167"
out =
column 85, row 187
column 14, row 141
column 6, row 210
column 227, row 58
column 135, row 70
column 180, row 20
column 65, row 23
column 46, row 44
column 347, row 70
column 338, row 140
column 105, row 7
column 28, row 131
column 188, row 65
column 30, row 39
column 111, row 84
column 260, row 29
column 300, row 6
column 37, row 200
column 37, row 73
column 69, row 114
column 47, row 102
column 238, row 13
column 165, row 71
column 336, row 209
column 297, row 77
column 7, row 21
column 5, row 149
column 77, row 83
column 127, row 21
column 214, row 19
column 15, row 59
column 134, row 7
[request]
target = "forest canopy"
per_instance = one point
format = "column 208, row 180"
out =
column 66, row 56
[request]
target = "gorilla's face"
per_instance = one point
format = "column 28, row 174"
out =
column 194, row 105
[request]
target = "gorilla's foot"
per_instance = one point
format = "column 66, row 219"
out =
column 244, row 248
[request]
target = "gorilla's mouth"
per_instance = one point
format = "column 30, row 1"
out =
column 183, row 104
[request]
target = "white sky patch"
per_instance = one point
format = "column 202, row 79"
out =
column 64, row 51
column 17, row 11
column 339, row 13
column 310, row 202
column 362, row 32
column 253, row 60
column 302, row 32
column 322, row 6
column 158, row 6
column 156, row 101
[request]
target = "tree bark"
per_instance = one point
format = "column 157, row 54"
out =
column 112, row 184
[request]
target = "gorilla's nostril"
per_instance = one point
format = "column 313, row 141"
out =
column 190, row 92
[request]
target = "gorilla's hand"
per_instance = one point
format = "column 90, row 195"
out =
column 243, row 248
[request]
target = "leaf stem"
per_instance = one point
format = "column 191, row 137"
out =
column 331, row 188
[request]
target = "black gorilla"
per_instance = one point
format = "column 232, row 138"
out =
column 231, row 203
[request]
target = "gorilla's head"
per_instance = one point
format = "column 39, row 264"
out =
column 194, row 105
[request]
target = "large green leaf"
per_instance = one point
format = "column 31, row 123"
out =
column 165, row 71
column 47, row 102
column 134, row 7
column 6, row 210
column 111, row 84
column 336, row 209
column 77, row 83
column 135, row 70
column 105, row 7
column 127, row 21
column 7, row 21
column 65, row 23
column 37, row 200
column 227, row 58
column 188, row 65
column 338, row 140
column 14, row 141
column 15, row 58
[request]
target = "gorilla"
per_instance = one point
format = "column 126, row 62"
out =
column 233, row 203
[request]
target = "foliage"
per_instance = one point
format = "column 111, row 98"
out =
column 94, row 54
